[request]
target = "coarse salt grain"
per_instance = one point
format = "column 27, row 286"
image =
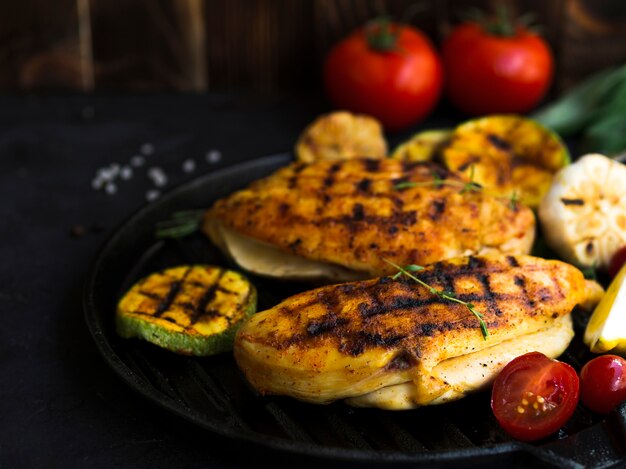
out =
column 147, row 149
column 189, row 166
column 137, row 161
column 126, row 172
column 155, row 172
column 104, row 174
column 158, row 176
column 110, row 188
column 97, row 183
column 152, row 194
column 213, row 156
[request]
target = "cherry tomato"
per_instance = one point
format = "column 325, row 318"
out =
column 487, row 73
column 390, row 71
column 533, row 396
column 617, row 261
column 603, row 383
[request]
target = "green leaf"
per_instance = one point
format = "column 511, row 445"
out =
column 513, row 200
column 607, row 135
column 438, row 181
column 404, row 185
column 413, row 268
column 188, row 214
column 180, row 224
column 574, row 111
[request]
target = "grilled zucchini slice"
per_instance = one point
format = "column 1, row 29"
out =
column 190, row 309
column 506, row 154
column 423, row 146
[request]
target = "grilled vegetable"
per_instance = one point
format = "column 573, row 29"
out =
column 583, row 216
column 395, row 344
column 341, row 135
column 191, row 310
column 423, row 146
column 344, row 217
column 507, row 154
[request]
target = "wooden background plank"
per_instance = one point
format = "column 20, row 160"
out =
column 39, row 45
column 263, row 45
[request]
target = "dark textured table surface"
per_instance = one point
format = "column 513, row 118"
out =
column 61, row 405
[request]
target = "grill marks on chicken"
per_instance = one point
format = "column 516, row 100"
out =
column 351, row 339
column 350, row 213
column 386, row 312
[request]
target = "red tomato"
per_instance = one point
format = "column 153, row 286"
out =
column 487, row 74
column 533, row 396
column 617, row 261
column 398, row 82
column 603, row 383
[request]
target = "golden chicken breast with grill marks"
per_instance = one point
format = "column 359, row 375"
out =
column 393, row 344
column 338, row 220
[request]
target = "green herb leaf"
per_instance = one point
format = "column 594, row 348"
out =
column 180, row 224
column 437, row 179
column 471, row 187
column 440, row 293
column 404, row 185
column 513, row 200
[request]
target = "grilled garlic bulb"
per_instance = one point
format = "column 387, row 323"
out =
column 583, row 215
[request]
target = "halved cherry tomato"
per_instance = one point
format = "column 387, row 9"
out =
column 617, row 261
column 603, row 383
column 534, row 396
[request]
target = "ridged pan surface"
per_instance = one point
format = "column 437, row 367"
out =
column 212, row 393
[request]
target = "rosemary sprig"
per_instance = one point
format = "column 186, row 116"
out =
column 470, row 186
column 446, row 295
column 513, row 200
column 437, row 179
column 464, row 186
column 180, row 224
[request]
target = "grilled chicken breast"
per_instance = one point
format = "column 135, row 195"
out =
column 393, row 344
column 338, row 220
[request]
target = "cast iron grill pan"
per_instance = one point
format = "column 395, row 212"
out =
column 212, row 393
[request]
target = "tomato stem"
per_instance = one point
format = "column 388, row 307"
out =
column 380, row 34
column 502, row 23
